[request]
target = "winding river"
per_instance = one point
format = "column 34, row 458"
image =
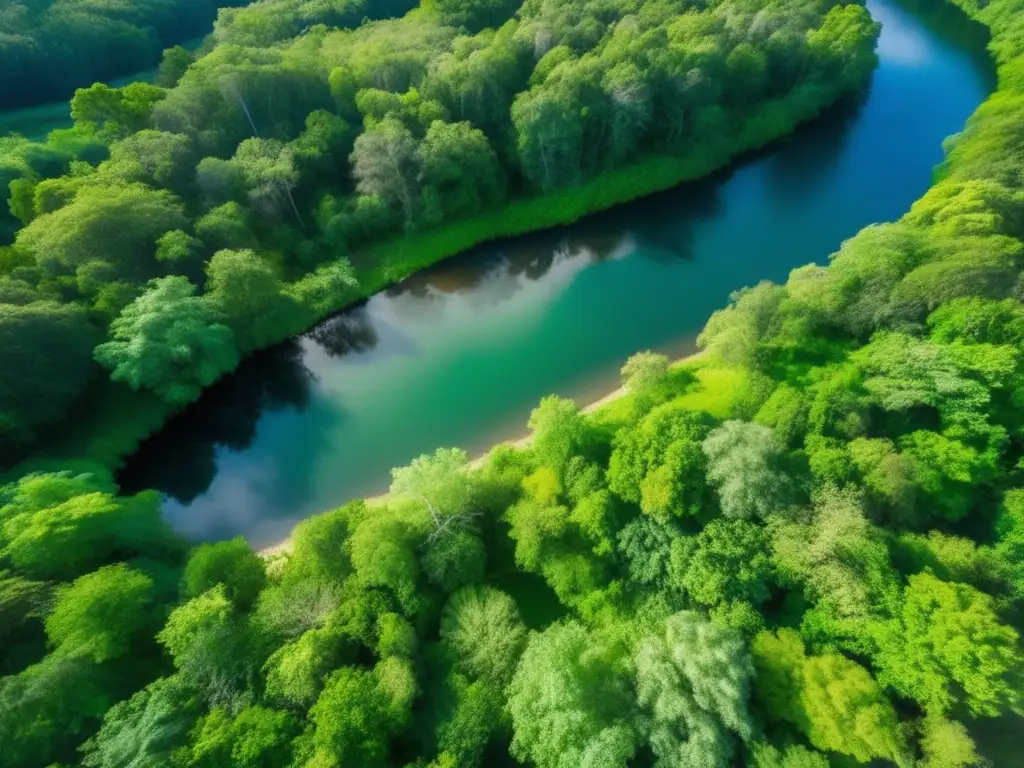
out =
column 459, row 354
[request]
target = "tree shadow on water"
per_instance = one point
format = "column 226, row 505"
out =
column 180, row 460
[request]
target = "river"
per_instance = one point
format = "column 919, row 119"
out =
column 459, row 354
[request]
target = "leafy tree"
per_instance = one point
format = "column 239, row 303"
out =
column 659, row 463
column 728, row 560
column 764, row 755
column 459, row 171
column 157, row 158
column 112, row 229
column 146, row 729
column 743, row 463
column 644, row 371
column 692, row 681
column 101, row 614
column 169, row 341
column 22, row 603
column 549, row 137
column 248, row 293
column 231, row 563
column 834, row 701
column 946, row 744
column 207, row 647
column 473, row 14
column 559, row 432
column 441, row 482
column 838, row 557
column 173, row 64
column 1010, row 545
column 355, row 715
column 69, row 534
column 269, row 173
column 49, row 707
column 847, row 712
column 645, row 546
column 947, row 646
column 296, row 672
column 383, row 555
column 384, row 165
column 482, row 629
column 115, row 111
column 180, row 252
column 227, row 226
column 256, row 737
column 455, row 559
column 569, row 706
column 317, row 545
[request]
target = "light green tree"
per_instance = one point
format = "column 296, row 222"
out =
column 102, row 613
column 693, row 683
column 169, row 341
column 569, row 705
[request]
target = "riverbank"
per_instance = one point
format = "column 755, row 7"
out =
column 284, row 547
column 114, row 420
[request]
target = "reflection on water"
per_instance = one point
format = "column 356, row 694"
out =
column 182, row 462
column 459, row 354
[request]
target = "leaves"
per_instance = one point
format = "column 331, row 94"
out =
column 169, row 341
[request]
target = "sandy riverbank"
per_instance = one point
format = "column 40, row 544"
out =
column 477, row 461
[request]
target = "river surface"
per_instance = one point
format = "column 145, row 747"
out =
column 459, row 354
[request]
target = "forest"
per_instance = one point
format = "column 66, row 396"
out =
column 265, row 188
column 802, row 548
column 50, row 47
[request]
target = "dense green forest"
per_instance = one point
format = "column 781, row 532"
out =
column 804, row 548
column 173, row 230
column 50, row 47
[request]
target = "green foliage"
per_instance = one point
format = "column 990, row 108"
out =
column 357, row 711
column 144, row 730
column 248, row 294
column 847, row 712
column 871, row 413
column 692, row 682
column 559, row 432
column 47, row 363
column 947, row 646
column 256, row 737
column 646, row 546
column 660, row 465
column 60, row 526
column 382, row 551
column 644, row 371
column 482, row 629
column 743, row 464
column 568, row 704
column 473, row 14
column 231, row 563
column 834, row 701
column 170, row 341
column 837, row 556
column 728, row 560
column 101, row 614
column 296, row 672
column 946, row 744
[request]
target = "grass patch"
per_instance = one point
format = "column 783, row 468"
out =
column 717, row 390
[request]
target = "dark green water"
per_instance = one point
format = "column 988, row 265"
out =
column 460, row 354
